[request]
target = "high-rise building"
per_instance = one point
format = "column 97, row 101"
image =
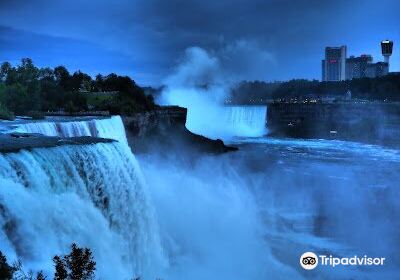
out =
column 334, row 65
column 387, row 49
column 356, row 67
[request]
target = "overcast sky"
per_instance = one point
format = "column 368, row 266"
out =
column 254, row 39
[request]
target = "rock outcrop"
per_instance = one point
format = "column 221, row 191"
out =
column 14, row 142
column 164, row 129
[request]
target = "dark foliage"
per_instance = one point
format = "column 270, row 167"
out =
column 6, row 271
column 21, row 274
column 78, row 265
column 26, row 88
column 128, row 97
column 61, row 271
column 40, row 276
column 383, row 88
column 16, row 271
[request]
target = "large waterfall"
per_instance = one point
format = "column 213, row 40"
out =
column 197, row 222
column 228, row 121
column 93, row 195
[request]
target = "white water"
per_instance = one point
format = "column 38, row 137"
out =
column 244, row 215
column 93, row 195
column 207, row 115
column 111, row 128
column 209, row 220
column 228, row 121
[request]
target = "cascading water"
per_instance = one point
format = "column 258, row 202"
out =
column 111, row 128
column 247, row 120
column 93, row 195
column 228, row 121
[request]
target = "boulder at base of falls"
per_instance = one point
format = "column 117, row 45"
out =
column 164, row 129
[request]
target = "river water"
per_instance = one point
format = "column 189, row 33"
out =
column 251, row 214
column 248, row 214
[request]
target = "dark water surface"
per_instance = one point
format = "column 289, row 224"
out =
column 329, row 197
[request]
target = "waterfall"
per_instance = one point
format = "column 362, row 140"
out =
column 111, row 128
column 228, row 121
column 93, row 195
column 247, row 120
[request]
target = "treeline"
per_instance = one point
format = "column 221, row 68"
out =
column 379, row 89
column 79, row 264
column 28, row 90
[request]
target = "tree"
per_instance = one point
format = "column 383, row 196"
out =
column 6, row 271
column 77, row 265
column 63, row 77
column 40, row 276
column 98, row 83
column 21, row 274
column 61, row 72
column 130, row 97
column 61, row 271
column 27, row 72
column 16, row 98
column 46, row 74
column 81, row 82
column 4, row 70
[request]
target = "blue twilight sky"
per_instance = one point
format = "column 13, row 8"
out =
column 255, row 39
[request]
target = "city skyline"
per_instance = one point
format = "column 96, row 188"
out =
column 257, row 40
column 338, row 66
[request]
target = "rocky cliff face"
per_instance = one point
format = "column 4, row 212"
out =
column 164, row 129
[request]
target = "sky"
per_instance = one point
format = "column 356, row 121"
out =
column 270, row 40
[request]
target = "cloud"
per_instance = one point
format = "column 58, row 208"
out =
column 288, row 35
column 247, row 60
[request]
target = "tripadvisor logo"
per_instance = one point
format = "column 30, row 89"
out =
column 309, row 260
